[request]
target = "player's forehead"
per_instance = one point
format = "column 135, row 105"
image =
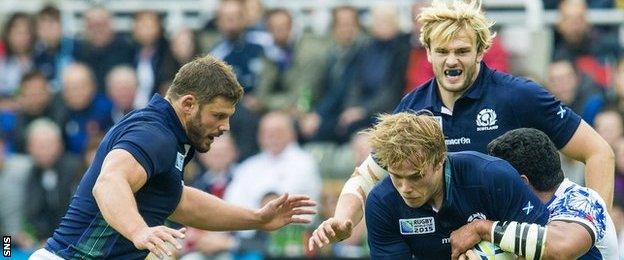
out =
column 219, row 105
column 405, row 168
column 462, row 39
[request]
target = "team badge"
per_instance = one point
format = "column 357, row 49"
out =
column 486, row 120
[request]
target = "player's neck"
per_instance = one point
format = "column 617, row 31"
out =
column 177, row 111
column 449, row 98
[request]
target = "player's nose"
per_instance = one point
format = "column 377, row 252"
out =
column 225, row 126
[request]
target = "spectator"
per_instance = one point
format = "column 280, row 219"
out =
column 600, row 4
column 575, row 39
column 618, row 149
column 183, row 47
column 292, row 68
column 256, row 31
column 52, row 179
column 281, row 166
column 18, row 36
column 574, row 89
column 35, row 100
column 14, row 173
column 609, row 125
column 234, row 48
column 85, row 113
column 617, row 214
column 219, row 162
column 150, row 49
column 101, row 49
column 245, row 58
column 53, row 50
column 121, row 86
column 381, row 73
column 346, row 44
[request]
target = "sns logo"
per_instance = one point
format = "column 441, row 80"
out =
column 6, row 246
column 486, row 120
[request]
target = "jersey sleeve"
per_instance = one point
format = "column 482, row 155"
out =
column 583, row 207
column 512, row 199
column 384, row 238
column 150, row 146
column 545, row 113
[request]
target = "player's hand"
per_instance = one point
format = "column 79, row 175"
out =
column 330, row 231
column 281, row 211
column 155, row 240
column 469, row 255
column 465, row 238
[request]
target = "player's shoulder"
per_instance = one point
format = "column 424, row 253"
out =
column 472, row 168
column 573, row 202
column 513, row 87
column 382, row 191
column 473, row 160
column 145, row 126
column 571, row 196
column 417, row 98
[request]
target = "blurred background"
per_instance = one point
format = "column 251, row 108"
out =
column 314, row 73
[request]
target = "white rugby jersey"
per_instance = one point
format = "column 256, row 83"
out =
column 582, row 205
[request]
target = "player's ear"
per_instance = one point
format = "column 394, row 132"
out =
column 188, row 104
column 428, row 54
column 525, row 179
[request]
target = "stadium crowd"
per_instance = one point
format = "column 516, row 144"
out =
column 296, row 130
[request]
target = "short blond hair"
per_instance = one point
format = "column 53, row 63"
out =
column 409, row 137
column 442, row 21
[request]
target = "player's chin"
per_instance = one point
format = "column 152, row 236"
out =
column 205, row 146
column 413, row 203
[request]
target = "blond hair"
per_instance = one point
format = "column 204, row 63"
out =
column 409, row 137
column 442, row 21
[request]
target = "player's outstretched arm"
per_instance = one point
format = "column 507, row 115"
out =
column 589, row 147
column 350, row 205
column 204, row 211
column 121, row 175
column 563, row 240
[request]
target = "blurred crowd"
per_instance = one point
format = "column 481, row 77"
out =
column 296, row 129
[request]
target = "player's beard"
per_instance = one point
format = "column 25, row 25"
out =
column 198, row 139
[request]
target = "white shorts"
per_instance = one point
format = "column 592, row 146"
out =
column 44, row 254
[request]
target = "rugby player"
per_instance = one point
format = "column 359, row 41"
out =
column 135, row 181
column 579, row 226
column 475, row 104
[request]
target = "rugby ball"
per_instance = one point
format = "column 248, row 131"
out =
column 487, row 251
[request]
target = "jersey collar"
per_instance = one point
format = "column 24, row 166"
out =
column 448, row 178
column 171, row 118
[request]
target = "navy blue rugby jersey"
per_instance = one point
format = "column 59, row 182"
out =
column 157, row 140
column 494, row 104
column 476, row 186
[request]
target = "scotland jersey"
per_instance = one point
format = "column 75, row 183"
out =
column 476, row 186
column 573, row 202
column 494, row 104
column 156, row 139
